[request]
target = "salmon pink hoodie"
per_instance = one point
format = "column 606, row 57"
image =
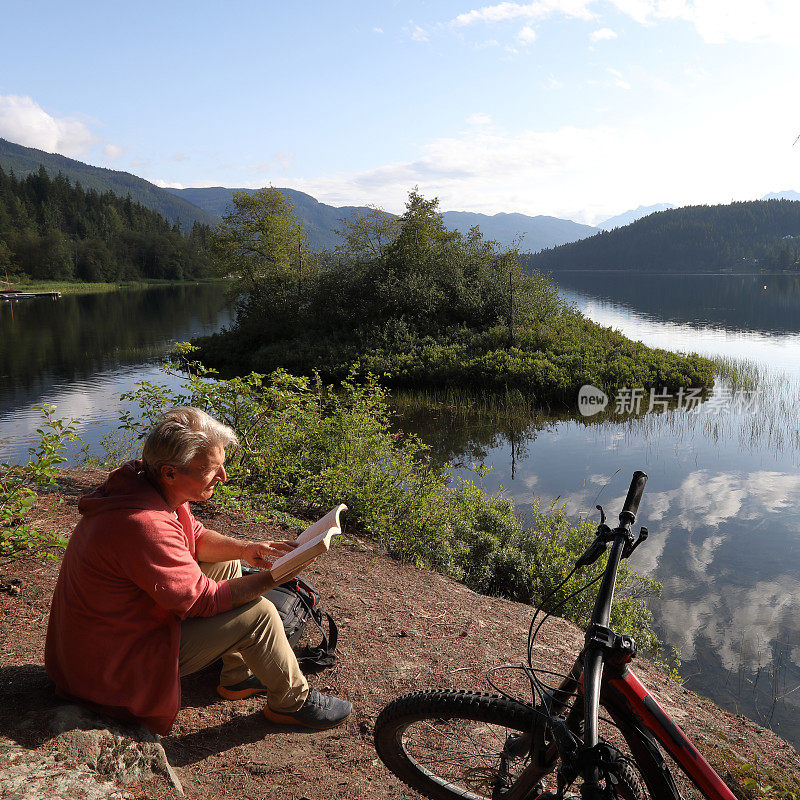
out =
column 128, row 578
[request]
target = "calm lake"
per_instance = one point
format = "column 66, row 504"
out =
column 723, row 496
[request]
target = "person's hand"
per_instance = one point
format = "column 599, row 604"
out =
column 261, row 554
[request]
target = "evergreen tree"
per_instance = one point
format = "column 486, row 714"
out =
column 53, row 230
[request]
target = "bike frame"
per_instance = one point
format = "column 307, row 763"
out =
column 601, row 676
column 643, row 723
column 627, row 700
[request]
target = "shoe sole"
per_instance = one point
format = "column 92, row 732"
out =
column 241, row 694
column 286, row 719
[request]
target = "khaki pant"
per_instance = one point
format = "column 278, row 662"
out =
column 249, row 639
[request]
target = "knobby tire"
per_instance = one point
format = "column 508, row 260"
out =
column 449, row 745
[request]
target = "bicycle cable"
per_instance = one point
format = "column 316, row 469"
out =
column 539, row 689
column 532, row 634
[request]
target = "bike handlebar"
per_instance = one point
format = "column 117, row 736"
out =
column 634, row 497
column 594, row 654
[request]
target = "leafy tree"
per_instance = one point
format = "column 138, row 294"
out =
column 367, row 235
column 261, row 242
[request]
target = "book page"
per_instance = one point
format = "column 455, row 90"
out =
column 330, row 520
column 291, row 563
column 314, row 541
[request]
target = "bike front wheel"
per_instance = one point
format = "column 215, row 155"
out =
column 470, row 746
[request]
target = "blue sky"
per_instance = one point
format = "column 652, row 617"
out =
column 573, row 108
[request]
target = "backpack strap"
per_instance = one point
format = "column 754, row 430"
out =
column 324, row 654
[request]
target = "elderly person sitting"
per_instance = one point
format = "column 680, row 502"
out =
column 147, row 594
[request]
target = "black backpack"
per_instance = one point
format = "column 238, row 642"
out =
column 297, row 601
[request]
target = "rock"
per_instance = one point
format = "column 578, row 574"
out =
column 37, row 775
column 113, row 751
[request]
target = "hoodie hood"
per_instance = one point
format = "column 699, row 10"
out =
column 125, row 488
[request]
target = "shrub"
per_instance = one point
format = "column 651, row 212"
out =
column 17, row 488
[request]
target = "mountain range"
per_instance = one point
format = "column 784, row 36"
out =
column 208, row 204
column 23, row 160
column 321, row 220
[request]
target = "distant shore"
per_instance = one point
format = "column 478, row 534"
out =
column 84, row 287
column 663, row 274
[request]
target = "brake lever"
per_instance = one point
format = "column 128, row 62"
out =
column 602, row 515
column 631, row 545
column 598, row 546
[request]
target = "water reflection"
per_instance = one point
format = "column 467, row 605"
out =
column 723, row 513
column 747, row 303
column 81, row 352
column 726, row 513
column 719, row 315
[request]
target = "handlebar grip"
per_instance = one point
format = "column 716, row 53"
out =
column 635, row 493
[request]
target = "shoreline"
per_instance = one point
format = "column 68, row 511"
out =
column 85, row 287
column 663, row 274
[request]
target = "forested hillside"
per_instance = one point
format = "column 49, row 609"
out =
column 52, row 230
column 24, row 160
column 750, row 235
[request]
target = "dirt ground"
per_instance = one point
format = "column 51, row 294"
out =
column 401, row 629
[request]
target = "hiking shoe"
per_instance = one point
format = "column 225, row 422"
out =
column 320, row 711
column 246, row 688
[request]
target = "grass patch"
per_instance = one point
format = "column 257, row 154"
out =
column 740, row 374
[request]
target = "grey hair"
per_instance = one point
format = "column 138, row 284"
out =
column 179, row 436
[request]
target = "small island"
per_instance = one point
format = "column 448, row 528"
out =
column 419, row 305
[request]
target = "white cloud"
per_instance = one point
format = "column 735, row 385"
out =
column 619, row 81
column 602, row 34
column 638, row 10
column 284, row 159
column 25, row 122
column 479, row 119
column 417, row 33
column 377, row 30
column 166, row 184
column 574, row 172
column 503, row 12
column 719, row 21
column 482, row 168
column 716, row 21
column 527, row 35
column 113, row 151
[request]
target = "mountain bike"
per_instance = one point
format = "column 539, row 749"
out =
column 463, row 744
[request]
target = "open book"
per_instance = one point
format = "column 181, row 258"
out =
column 311, row 542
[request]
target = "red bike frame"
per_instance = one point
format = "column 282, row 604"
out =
column 626, row 699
